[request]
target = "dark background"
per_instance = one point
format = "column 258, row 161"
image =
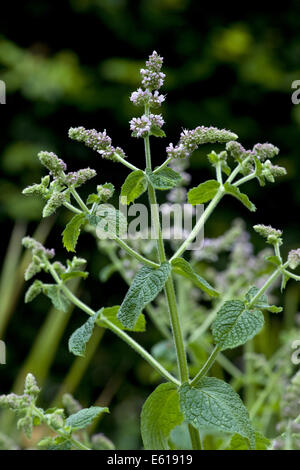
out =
column 73, row 63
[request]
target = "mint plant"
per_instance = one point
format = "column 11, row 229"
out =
column 207, row 405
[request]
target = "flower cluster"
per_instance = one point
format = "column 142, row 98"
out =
column 265, row 151
column 191, row 139
column 142, row 97
column 271, row 234
column 77, row 178
column 294, row 258
column 98, row 141
column 143, row 126
column 152, row 77
column 55, row 165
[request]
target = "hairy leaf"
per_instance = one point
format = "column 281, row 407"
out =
column 111, row 314
column 183, row 268
column 85, row 417
column 73, row 274
column 261, row 302
column 145, row 287
column 57, row 297
column 235, row 324
column 213, row 406
column 164, row 179
column 235, row 192
column 134, row 185
column 72, row 231
column 160, row 414
column 204, row 192
column 79, row 339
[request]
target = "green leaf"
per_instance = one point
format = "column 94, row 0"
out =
column 57, row 297
column 72, row 231
column 213, row 406
column 92, row 199
column 183, row 268
column 145, row 287
column 85, row 417
column 156, row 131
column 79, row 339
column 134, row 185
column 204, row 192
column 274, row 260
column 235, row 192
column 240, row 443
column 259, row 171
column 235, row 324
column 73, row 274
column 111, row 314
column 262, row 301
column 160, row 415
column 164, row 179
column 285, row 279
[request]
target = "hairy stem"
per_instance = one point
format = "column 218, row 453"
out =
column 210, row 361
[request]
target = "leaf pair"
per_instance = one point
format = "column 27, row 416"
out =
column 137, row 182
column 212, row 406
column 208, row 190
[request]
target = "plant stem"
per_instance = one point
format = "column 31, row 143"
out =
column 135, row 254
column 163, row 165
column 79, row 200
column 72, row 208
column 195, row 438
column 266, row 285
column 210, row 208
column 125, row 162
column 206, row 366
column 245, row 179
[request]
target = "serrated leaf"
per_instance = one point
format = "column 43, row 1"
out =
column 262, row 302
column 160, row 415
column 79, row 339
column 57, row 297
column 72, row 231
column 235, row 192
column 92, row 199
column 111, row 314
column 145, row 287
column 213, row 406
column 240, row 443
column 156, row 131
column 183, row 268
column 204, row 192
column 235, row 324
column 164, row 179
column 73, row 274
column 134, row 185
column 85, row 417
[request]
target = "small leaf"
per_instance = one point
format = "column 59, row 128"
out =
column 235, row 192
column 111, row 314
column 204, row 192
column 274, row 260
column 34, row 290
column 92, row 199
column 145, row 287
column 213, row 406
column 240, row 443
column 85, row 417
column 183, row 268
column 160, row 415
column 134, row 185
column 235, row 324
column 262, row 302
column 156, row 131
column 285, row 279
column 73, row 274
column 72, row 231
column 81, row 336
column 164, row 179
column 57, row 297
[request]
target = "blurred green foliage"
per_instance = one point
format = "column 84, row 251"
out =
column 75, row 63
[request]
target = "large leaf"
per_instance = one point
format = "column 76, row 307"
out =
column 213, row 406
column 235, row 324
column 204, row 192
column 145, row 287
column 72, row 231
column 164, row 179
column 85, row 417
column 183, row 268
column 79, row 339
column 160, row 414
column 134, row 185
column 110, row 313
column 235, row 192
